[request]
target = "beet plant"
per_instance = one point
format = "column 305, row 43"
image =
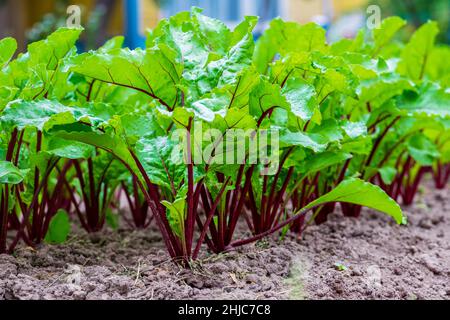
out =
column 218, row 139
column 10, row 176
column 194, row 94
column 39, row 197
column 138, row 215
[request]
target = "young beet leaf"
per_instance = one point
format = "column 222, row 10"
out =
column 353, row 191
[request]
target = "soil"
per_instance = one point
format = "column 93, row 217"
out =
column 344, row 258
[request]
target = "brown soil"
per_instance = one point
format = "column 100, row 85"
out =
column 366, row 258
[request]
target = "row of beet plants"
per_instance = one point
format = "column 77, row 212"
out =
column 89, row 137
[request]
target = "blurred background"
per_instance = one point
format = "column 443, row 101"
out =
column 32, row 20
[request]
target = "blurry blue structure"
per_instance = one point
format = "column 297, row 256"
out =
column 133, row 36
column 229, row 11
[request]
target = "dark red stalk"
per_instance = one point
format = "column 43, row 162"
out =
column 296, row 226
column 33, row 206
column 152, row 197
column 441, row 175
column 76, row 206
column 263, row 202
column 5, row 196
column 4, row 218
column 271, row 231
column 273, row 213
column 265, row 114
column 256, row 227
column 237, row 187
column 19, row 145
column 406, row 169
column 391, row 189
column 56, row 200
column 392, row 149
column 274, row 185
column 91, row 86
column 240, row 201
column 93, row 212
column 80, row 177
column 235, row 214
column 410, row 189
column 343, row 171
column 138, row 209
column 209, row 218
column 351, row 210
column 212, row 228
column 208, row 241
column 247, row 218
column 377, row 122
column 446, row 175
column 324, row 212
column 191, row 212
column 378, row 141
column 38, row 148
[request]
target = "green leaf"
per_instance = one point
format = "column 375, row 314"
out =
column 59, row 228
column 238, row 58
column 287, row 37
column 384, row 34
column 162, row 159
column 10, row 174
column 112, row 144
column 154, row 72
column 210, row 53
column 113, row 43
column 181, row 33
column 423, row 150
column 416, row 54
column 438, row 66
column 265, row 96
column 359, row 192
column 381, row 89
column 388, row 174
column 429, row 100
column 22, row 114
column 236, row 119
column 318, row 162
column 69, row 149
column 330, row 130
column 176, row 215
column 354, row 129
column 181, row 116
column 7, row 48
column 55, row 47
column 134, row 126
column 307, row 140
column 360, row 145
column 302, row 98
column 240, row 91
column 213, row 31
column 212, row 104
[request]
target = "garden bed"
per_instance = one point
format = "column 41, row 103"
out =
column 366, row 258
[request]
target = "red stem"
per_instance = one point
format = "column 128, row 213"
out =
column 209, row 218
